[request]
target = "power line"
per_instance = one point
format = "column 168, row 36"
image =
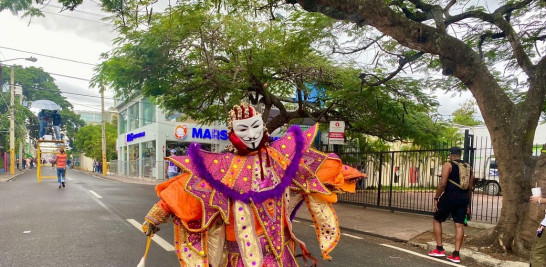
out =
column 66, row 16
column 79, row 11
column 68, row 76
column 43, row 55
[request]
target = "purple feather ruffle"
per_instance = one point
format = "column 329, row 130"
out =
column 256, row 197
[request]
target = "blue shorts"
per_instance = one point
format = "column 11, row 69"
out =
column 456, row 207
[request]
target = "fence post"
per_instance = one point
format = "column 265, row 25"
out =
column 392, row 177
column 468, row 155
column 380, row 175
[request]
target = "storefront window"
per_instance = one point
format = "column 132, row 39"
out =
column 148, row 112
column 133, row 117
column 133, row 160
column 123, row 122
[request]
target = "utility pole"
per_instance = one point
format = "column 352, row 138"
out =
column 20, row 88
column 12, row 113
column 104, row 166
column 12, row 123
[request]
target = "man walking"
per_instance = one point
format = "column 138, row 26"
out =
column 60, row 161
column 452, row 198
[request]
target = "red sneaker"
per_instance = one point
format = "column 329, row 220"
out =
column 455, row 259
column 437, row 253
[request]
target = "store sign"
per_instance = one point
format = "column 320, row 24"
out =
column 204, row 133
column 181, row 132
column 133, row 136
column 336, row 136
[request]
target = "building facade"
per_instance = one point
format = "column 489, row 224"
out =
column 146, row 133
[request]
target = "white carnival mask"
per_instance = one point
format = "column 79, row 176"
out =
column 250, row 131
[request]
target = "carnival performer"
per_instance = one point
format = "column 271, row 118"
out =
column 236, row 208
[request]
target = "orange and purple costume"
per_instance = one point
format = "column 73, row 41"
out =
column 234, row 210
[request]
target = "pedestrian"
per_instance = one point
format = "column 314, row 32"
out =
column 234, row 208
column 68, row 161
column 57, row 121
column 172, row 169
column 452, row 197
column 43, row 118
column 538, row 252
column 60, row 161
column 100, row 167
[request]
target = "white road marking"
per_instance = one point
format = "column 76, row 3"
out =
column 160, row 241
column 444, row 261
column 26, row 232
column 353, row 236
column 296, row 221
column 69, row 178
column 95, row 194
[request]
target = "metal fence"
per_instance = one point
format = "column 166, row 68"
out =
column 407, row 180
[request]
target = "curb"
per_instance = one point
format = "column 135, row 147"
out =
column 478, row 257
column 16, row 175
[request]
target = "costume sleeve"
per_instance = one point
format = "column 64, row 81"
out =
column 339, row 177
column 175, row 199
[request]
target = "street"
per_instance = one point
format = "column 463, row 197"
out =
column 96, row 222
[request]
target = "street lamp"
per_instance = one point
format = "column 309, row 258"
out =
column 12, row 113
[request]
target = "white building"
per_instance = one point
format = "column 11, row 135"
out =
column 145, row 133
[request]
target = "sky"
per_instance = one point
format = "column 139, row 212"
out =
column 81, row 36
column 77, row 36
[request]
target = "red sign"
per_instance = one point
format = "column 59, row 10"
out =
column 336, row 135
column 181, row 131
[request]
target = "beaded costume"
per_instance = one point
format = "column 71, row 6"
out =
column 235, row 210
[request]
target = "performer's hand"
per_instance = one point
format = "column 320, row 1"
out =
column 534, row 199
column 435, row 208
column 149, row 229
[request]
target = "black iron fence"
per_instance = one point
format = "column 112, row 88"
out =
column 406, row 180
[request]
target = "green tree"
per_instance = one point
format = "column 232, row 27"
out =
column 507, row 36
column 465, row 114
column 37, row 84
column 239, row 57
column 88, row 140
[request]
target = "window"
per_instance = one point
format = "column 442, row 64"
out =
column 148, row 112
column 133, row 117
column 123, row 122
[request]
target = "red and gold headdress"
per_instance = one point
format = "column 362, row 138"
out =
column 241, row 112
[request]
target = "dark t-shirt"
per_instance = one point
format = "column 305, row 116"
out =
column 56, row 119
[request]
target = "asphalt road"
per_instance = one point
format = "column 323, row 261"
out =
column 92, row 222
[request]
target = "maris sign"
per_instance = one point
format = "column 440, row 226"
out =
column 133, row 136
column 204, row 133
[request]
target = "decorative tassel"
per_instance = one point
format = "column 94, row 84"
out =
column 142, row 262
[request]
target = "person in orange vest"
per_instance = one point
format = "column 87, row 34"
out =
column 60, row 161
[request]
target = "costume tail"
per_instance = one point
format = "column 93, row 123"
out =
column 142, row 262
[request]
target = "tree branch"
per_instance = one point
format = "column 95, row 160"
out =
column 402, row 61
column 357, row 49
column 491, row 35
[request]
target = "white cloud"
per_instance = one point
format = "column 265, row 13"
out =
column 68, row 35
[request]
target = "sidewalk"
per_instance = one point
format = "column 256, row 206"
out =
column 6, row 176
column 413, row 229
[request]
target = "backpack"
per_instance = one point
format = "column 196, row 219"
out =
column 464, row 175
